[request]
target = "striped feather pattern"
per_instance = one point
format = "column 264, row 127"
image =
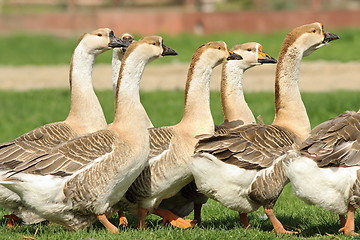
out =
column 252, row 146
column 34, row 143
column 71, row 156
column 335, row 142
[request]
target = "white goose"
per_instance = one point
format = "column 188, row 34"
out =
column 242, row 169
column 86, row 116
column 325, row 169
column 79, row 181
column 172, row 146
column 236, row 111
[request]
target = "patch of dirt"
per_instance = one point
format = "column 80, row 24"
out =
column 314, row 77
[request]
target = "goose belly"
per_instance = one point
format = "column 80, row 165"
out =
column 326, row 187
column 225, row 183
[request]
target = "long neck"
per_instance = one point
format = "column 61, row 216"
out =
column 197, row 113
column 115, row 67
column 233, row 101
column 290, row 110
column 86, row 114
column 130, row 115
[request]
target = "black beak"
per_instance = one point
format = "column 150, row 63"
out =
column 234, row 56
column 329, row 37
column 116, row 42
column 168, row 51
column 266, row 58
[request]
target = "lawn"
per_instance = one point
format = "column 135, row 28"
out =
column 19, row 115
column 46, row 49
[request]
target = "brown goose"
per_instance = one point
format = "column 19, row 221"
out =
column 80, row 180
column 242, row 169
column 171, row 147
column 325, row 169
column 86, row 115
column 236, row 111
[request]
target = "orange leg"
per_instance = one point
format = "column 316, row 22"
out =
column 197, row 212
column 244, row 220
column 173, row 219
column 12, row 220
column 142, row 213
column 349, row 227
column 278, row 227
column 122, row 219
column 108, row 225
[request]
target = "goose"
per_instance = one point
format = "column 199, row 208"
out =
column 86, row 116
column 80, row 180
column 171, row 146
column 236, row 111
column 242, row 169
column 324, row 169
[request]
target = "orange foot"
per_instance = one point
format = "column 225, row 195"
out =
column 12, row 220
column 122, row 219
column 348, row 231
column 176, row 221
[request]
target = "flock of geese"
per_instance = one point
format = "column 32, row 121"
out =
column 81, row 170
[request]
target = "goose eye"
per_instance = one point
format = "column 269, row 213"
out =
column 154, row 44
column 219, row 48
column 249, row 49
column 99, row 35
column 314, row 31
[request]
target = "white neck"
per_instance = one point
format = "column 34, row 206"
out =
column 233, row 101
column 130, row 115
column 197, row 113
column 85, row 109
column 115, row 67
column 290, row 110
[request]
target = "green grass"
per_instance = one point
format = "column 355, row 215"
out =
column 45, row 49
column 23, row 111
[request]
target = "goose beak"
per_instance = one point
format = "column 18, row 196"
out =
column 116, row 42
column 328, row 37
column 168, row 51
column 234, row 56
column 265, row 58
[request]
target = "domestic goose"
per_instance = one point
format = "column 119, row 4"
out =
column 236, row 111
column 80, row 180
column 325, row 169
column 172, row 146
column 86, row 116
column 242, row 169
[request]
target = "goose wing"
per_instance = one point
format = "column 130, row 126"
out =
column 34, row 143
column 227, row 127
column 335, row 142
column 253, row 146
column 71, row 156
column 160, row 139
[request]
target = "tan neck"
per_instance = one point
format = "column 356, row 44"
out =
column 233, row 101
column 290, row 110
column 197, row 116
column 130, row 115
column 86, row 114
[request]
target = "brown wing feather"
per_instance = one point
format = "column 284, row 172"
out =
column 71, row 156
column 335, row 142
column 160, row 140
column 34, row 143
column 253, row 146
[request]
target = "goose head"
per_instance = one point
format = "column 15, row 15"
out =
column 252, row 54
column 150, row 47
column 127, row 39
column 101, row 40
column 310, row 37
column 215, row 53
